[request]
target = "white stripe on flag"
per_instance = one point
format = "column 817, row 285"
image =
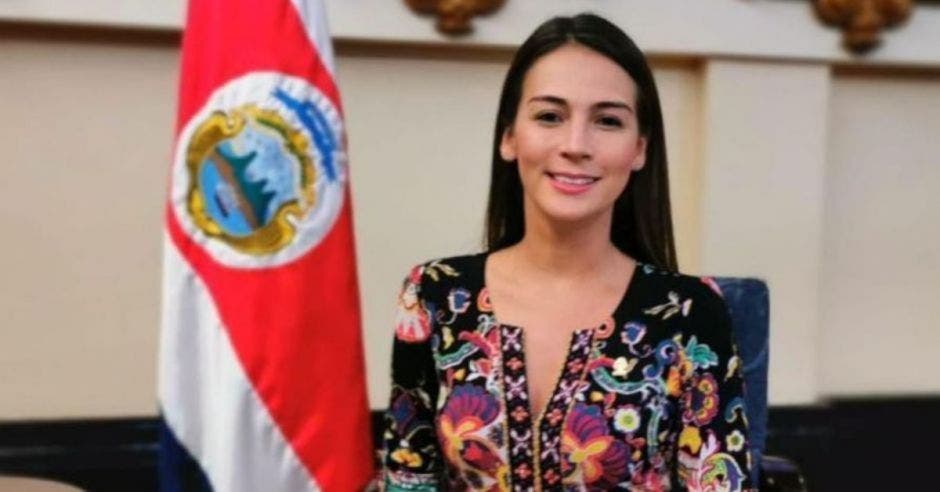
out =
column 313, row 15
column 207, row 399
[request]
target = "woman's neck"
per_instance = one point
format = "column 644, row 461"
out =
column 567, row 250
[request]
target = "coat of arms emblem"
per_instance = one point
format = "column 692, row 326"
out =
column 260, row 171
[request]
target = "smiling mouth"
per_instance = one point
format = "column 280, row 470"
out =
column 572, row 179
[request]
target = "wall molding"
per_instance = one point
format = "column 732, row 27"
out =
column 739, row 28
column 863, row 21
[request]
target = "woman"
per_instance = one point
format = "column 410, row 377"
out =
column 569, row 355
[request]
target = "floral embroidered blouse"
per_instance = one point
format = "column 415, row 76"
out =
column 650, row 400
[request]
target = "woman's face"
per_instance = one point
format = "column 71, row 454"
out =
column 576, row 136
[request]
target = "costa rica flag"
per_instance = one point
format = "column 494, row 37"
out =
column 261, row 372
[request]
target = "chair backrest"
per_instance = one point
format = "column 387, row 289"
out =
column 749, row 306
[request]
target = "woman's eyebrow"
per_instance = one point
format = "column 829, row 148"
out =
column 598, row 105
column 614, row 105
column 549, row 99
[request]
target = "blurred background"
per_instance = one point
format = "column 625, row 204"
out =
column 792, row 159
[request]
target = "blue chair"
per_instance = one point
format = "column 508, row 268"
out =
column 749, row 306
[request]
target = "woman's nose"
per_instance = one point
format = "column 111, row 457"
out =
column 577, row 141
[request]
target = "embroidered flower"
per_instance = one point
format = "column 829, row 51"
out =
column 514, row 363
column 586, row 445
column 735, row 441
column 523, row 471
column 467, row 411
column 700, row 401
column 554, row 416
column 413, row 322
column 550, row 477
column 627, row 419
column 519, row 413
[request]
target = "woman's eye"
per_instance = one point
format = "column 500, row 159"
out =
column 610, row 121
column 548, row 117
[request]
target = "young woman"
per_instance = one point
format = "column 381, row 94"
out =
column 570, row 355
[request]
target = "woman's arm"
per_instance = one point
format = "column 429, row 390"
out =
column 412, row 459
column 713, row 452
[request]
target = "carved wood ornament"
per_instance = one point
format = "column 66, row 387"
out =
column 454, row 16
column 862, row 21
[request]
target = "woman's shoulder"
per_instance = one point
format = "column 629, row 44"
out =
column 448, row 272
column 685, row 289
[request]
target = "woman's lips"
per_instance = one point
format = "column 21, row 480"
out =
column 571, row 184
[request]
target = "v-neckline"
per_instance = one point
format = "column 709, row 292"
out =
column 622, row 304
column 535, row 441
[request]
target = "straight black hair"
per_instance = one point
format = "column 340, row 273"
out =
column 642, row 218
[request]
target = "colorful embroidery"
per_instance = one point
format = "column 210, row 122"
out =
column 521, row 439
column 462, row 431
column 550, row 427
column 701, row 400
column 592, row 456
column 651, row 399
column 413, row 322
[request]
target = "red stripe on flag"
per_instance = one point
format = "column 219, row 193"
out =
column 296, row 331
column 227, row 39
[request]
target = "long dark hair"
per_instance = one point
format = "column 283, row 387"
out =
column 642, row 220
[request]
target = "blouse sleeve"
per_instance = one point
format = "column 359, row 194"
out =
column 412, row 457
column 713, row 451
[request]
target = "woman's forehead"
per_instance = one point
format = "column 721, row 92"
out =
column 578, row 74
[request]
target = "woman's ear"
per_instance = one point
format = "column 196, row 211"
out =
column 640, row 160
column 507, row 145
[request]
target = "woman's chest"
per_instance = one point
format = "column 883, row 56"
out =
column 610, row 406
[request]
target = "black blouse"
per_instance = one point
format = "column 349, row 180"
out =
column 650, row 400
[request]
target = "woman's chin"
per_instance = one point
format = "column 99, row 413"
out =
column 568, row 215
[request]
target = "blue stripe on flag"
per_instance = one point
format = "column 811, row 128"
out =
column 179, row 472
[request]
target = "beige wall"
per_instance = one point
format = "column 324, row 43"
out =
column 419, row 132
column 86, row 138
column 880, row 303
column 85, row 133
column 764, row 169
